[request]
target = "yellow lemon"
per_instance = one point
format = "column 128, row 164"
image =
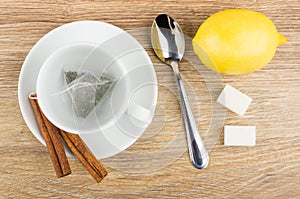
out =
column 237, row 41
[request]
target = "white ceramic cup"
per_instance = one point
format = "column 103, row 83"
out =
column 86, row 57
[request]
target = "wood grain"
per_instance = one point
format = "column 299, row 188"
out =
column 269, row 170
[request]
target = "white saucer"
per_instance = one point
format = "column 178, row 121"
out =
column 126, row 130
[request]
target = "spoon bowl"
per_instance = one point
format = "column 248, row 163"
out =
column 167, row 39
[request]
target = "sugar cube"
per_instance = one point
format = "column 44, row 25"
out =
column 239, row 135
column 234, row 100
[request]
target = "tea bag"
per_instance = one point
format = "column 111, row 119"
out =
column 86, row 90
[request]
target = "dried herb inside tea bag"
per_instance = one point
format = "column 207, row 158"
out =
column 86, row 90
column 101, row 89
column 70, row 76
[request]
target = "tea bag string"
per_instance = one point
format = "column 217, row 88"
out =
column 120, row 56
column 81, row 85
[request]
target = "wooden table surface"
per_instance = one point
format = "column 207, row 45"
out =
column 268, row 170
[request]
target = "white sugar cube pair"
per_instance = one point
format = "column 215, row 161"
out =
column 237, row 102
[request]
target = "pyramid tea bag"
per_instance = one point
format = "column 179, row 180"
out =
column 86, row 90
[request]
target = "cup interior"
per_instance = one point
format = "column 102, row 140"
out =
column 57, row 105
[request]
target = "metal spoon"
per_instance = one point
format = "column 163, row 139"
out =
column 169, row 44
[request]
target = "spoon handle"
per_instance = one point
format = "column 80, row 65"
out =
column 197, row 151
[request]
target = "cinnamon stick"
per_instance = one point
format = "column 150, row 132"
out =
column 85, row 156
column 51, row 136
